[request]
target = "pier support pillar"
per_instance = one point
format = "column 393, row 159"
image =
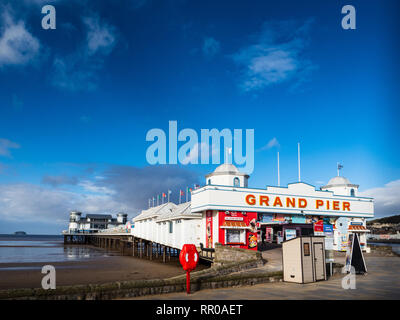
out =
column 163, row 254
column 151, row 250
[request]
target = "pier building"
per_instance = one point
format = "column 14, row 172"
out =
column 225, row 210
column 92, row 223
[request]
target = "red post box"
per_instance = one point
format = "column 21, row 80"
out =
column 188, row 258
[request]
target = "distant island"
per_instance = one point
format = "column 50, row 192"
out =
column 20, row 233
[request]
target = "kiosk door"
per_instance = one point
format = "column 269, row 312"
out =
column 319, row 261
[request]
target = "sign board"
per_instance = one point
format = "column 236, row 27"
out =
column 296, row 199
column 290, row 234
column 209, row 229
column 354, row 256
column 318, row 227
column 328, row 229
column 234, row 218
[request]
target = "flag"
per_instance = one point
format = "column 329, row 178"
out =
column 164, row 195
column 181, row 193
column 196, row 186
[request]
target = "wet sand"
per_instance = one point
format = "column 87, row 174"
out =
column 89, row 271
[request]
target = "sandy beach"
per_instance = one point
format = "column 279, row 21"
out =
column 89, row 271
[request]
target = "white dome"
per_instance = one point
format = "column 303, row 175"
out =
column 226, row 168
column 338, row 181
column 227, row 175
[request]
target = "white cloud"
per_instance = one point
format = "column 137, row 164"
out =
column 79, row 70
column 5, row 146
column 100, row 37
column 210, row 47
column 28, row 202
column 119, row 188
column 91, row 187
column 387, row 198
column 271, row 143
column 17, row 45
column 276, row 56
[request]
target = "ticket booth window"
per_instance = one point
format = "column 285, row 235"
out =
column 234, row 236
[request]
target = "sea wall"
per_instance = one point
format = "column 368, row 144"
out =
column 382, row 250
column 214, row 277
column 226, row 255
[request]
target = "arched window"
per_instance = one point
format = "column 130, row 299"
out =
column 352, row 193
column 236, row 182
column 209, row 181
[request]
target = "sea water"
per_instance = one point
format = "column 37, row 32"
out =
column 43, row 248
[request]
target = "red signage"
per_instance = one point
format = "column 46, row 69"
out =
column 209, row 229
column 319, row 226
column 238, row 229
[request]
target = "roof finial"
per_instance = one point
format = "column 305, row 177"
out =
column 339, row 166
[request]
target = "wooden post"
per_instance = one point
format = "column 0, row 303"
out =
column 151, row 250
column 163, row 254
column 133, row 247
column 169, row 254
column 140, row 248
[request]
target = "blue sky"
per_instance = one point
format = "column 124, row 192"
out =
column 76, row 102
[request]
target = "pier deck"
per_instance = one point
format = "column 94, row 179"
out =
column 130, row 245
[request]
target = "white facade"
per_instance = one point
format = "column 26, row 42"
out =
column 169, row 224
column 94, row 222
column 227, row 175
column 226, row 192
column 341, row 186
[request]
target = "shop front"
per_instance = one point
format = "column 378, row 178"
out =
column 238, row 229
column 236, row 215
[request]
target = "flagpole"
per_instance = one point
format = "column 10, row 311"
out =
column 180, row 195
column 187, row 191
column 298, row 156
column 279, row 178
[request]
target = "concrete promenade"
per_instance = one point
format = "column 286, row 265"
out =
column 381, row 282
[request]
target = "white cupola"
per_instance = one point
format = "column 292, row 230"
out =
column 341, row 186
column 227, row 175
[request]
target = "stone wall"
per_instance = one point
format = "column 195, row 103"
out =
column 382, row 250
column 226, row 254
